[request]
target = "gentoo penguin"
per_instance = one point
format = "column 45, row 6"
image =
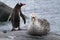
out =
column 15, row 16
column 38, row 26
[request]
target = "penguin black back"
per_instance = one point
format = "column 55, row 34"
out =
column 15, row 17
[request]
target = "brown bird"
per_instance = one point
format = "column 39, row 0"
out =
column 15, row 16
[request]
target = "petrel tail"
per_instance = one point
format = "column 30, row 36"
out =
column 23, row 17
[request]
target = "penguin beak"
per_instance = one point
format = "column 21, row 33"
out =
column 23, row 4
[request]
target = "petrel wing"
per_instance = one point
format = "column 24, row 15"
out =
column 23, row 17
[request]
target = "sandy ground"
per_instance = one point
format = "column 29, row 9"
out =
column 22, row 35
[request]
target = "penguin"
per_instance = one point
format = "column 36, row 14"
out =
column 38, row 26
column 15, row 16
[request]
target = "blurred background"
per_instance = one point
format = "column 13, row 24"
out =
column 48, row 9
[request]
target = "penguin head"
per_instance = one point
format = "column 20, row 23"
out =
column 21, row 4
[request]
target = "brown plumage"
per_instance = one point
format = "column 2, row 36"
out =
column 15, row 16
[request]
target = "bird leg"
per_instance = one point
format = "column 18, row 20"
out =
column 13, row 29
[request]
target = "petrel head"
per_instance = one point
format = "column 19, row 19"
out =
column 33, row 17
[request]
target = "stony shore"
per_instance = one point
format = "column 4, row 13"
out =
column 22, row 35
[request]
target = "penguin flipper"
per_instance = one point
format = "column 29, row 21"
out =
column 9, row 19
column 23, row 17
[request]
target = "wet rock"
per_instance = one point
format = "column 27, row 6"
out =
column 4, row 12
column 22, row 35
column 4, row 36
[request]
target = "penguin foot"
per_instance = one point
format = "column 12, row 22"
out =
column 19, row 29
column 13, row 30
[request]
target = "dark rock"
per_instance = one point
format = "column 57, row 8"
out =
column 4, row 12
